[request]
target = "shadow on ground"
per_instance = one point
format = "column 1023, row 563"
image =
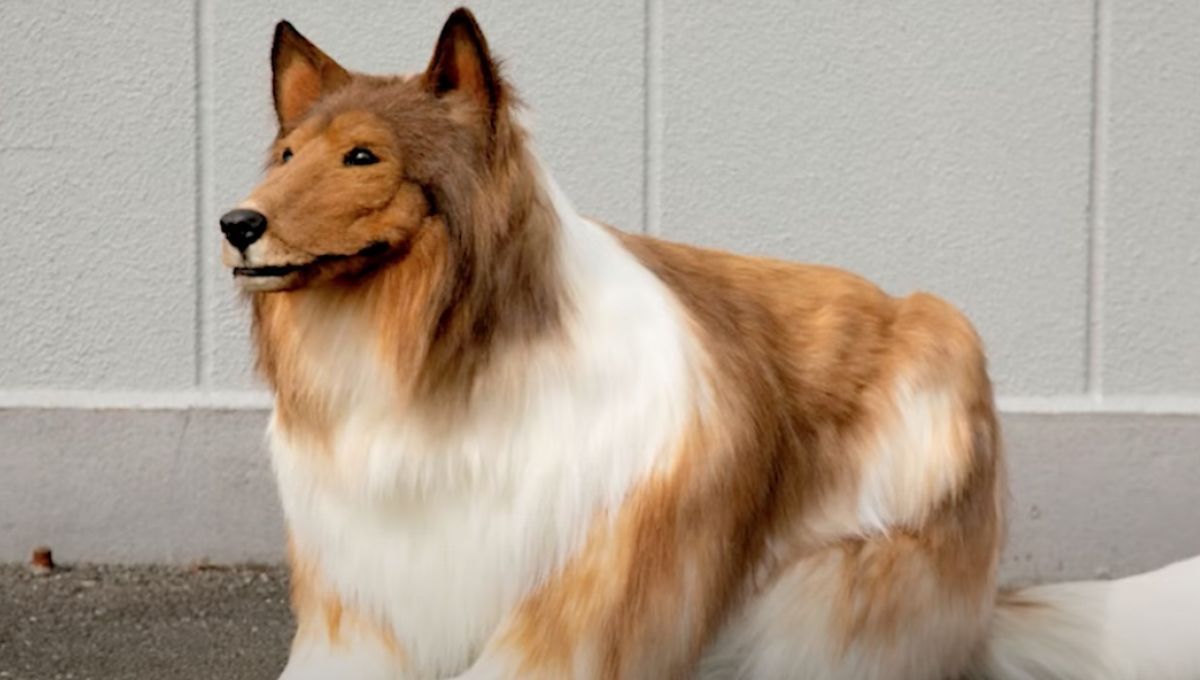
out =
column 122, row 623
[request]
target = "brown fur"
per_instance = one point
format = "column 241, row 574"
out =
column 302, row 73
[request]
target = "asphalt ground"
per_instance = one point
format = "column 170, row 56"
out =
column 87, row 622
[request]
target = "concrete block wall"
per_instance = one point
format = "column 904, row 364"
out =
column 1033, row 162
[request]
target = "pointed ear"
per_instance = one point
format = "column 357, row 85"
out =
column 302, row 74
column 461, row 62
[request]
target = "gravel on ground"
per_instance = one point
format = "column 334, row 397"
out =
column 88, row 622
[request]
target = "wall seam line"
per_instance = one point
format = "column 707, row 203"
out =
column 1097, row 186
column 652, row 120
column 202, row 322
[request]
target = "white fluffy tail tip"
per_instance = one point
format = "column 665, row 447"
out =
column 1145, row 627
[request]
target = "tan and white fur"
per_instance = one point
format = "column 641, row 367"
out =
column 513, row 442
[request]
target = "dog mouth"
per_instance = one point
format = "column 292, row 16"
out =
column 266, row 277
column 270, row 270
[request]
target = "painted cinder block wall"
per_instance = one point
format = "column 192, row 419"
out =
column 1036, row 163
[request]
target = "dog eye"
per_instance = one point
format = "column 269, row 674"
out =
column 286, row 155
column 359, row 156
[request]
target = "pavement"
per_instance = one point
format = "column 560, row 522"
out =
column 87, row 622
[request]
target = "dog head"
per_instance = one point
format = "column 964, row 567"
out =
column 361, row 163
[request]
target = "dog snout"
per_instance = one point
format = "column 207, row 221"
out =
column 243, row 227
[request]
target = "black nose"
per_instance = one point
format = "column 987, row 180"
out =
column 243, row 227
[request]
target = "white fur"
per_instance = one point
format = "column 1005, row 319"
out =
column 333, row 662
column 794, row 630
column 914, row 460
column 439, row 529
column 907, row 465
column 1145, row 627
column 1153, row 622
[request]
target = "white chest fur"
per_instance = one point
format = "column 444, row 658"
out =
column 439, row 530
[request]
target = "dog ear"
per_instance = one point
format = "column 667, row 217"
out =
column 461, row 63
column 302, row 74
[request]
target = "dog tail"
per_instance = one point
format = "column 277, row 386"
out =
column 1145, row 627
